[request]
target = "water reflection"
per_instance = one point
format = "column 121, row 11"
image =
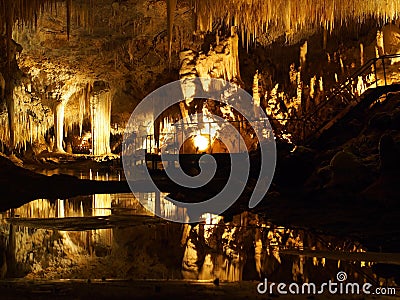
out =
column 99, row 175
column 114, row 236
column 98, row 205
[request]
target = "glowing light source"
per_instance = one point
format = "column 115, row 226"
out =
column 201, row 142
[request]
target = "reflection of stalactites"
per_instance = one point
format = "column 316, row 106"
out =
column 101, row 205
column 258, row 249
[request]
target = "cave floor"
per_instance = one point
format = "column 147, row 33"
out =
column 148, row 289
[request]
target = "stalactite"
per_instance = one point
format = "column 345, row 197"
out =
column 27, row 12
column 171, row 6
column 69, row 4
column 289, row 16
column 325, row 37
column 28, row 127
column 21, row 127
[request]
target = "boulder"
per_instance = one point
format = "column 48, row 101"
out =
column 347, row 171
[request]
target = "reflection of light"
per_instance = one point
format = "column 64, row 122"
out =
column 201, row 142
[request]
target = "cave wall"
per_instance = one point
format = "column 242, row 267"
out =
column 126, row 45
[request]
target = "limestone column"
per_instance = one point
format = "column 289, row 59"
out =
column 59, row 111
column 100, row 110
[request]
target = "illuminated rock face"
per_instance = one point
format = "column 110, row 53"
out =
column 122, row 44
column 23, row 117
column 221, row 61
column 51, row 96
column 126, row 44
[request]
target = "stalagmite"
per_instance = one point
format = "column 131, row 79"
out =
column 293, row 75
column 321, row 84
column 361, row 86
column 379, row 43
column 299, row 91
column 341, row 64
column 256, row 94
column 59, row 126
column 312, row 86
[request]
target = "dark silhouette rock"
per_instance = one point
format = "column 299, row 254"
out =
column 381, row 121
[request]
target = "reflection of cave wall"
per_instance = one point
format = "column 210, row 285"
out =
column 248, row 249
column 245, row 248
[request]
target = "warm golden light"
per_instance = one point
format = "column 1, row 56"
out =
column 201, row 142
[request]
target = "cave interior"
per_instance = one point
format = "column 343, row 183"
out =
column 323, row 79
